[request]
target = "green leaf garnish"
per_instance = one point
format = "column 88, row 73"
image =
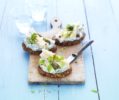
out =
column 49, row 67
column 58, row 58
column 32, row 91
column 50, row 58
column 33, row 38
column 56, row 61
column 46, row 40
column 61, row 63
column 55, row 58
column 66, row 34
column 70, row 27
column 41, row 61
column 55, row 65
column 94, row 91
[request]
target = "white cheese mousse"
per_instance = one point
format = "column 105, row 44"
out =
column 36, row 42
column 70, row 33
column 52, row 63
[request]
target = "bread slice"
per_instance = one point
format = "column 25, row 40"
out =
column 36, row 52
column 57, row 75
column 70, row 43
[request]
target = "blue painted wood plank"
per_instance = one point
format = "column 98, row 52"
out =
column 72, row 11
column 51, row 91
column 115, row 6
column 2, row 9
column 31, row 92
column 51, row 11
column 14, row 62
column 103, row 29
column 18, row 87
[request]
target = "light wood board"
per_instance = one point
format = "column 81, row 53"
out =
column 76, row 77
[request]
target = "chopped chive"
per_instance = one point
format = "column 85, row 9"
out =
column 94, row 91
column 33, row 38
column 32, row 91
column 46, row 40
column 70, row 27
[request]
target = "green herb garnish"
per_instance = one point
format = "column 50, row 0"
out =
column 62, row 63
column 33, row 38
column 32, row 91
column 56, row 61
column 55, row 65
column 46, row 40
column 50, row 58
column 70, row 27
column 41, row 61
column 58, row 58
column 55, row 58
column 49, row 67
column 94, row 91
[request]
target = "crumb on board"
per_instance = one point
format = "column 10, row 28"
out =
column 94, row 91
column 32, row 91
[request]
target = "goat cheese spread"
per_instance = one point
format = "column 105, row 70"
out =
column 36, row 42
column 52, row 63
column 70, row 33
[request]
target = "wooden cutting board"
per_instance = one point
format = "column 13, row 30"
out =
column 76, row 77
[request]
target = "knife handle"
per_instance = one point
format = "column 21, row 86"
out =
column 85, row 46
column 82, row 49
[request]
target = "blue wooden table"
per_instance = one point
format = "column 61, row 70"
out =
column 101, row 20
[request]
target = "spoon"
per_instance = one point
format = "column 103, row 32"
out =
column 73, row 57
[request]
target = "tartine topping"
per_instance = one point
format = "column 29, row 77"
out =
column 70, row 33
column 52, row 63
column 37, row 42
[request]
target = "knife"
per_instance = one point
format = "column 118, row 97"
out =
column 73, row 57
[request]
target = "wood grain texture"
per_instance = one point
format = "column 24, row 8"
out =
column 51, row 91
column 73, row 11
column 14, row 62
column 3, row 4
column 13, row 73
column 76, row 77
column 103, row 26
column 114, row 6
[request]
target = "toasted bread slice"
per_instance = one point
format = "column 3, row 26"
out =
column 70, row 43
column 57, row 75
column 36, row 52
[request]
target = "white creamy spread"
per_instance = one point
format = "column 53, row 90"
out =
column 44, row 59
column 66, row 35
column 39, row 44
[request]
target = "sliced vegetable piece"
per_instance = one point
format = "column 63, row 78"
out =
column 41, row 61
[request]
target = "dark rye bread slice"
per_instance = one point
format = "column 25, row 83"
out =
column 36, row 52
column 70, row 43
column 58, row 75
